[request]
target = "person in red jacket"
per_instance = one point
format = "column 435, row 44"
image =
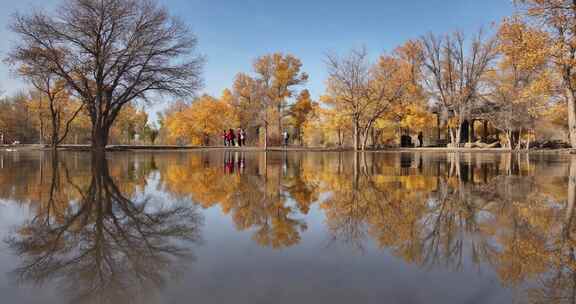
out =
column 231, row 138
column 225, row 138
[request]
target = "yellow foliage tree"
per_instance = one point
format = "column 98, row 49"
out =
column 558, row 19
column 521, row 85
column 205, row 118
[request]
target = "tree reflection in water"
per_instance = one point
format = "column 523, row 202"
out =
column 496, row 211
column 497, row 214
column 99, row 244
column 504, row 212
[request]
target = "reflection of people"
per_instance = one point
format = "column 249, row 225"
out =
column 241, row 164
column 228, row 163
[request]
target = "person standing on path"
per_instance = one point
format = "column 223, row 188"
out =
column 420, row 139
column 243, row 137
column 285, row 136
column 231, row 138
column 225, row 138
column 239, row 134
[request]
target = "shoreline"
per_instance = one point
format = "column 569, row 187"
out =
column 174, row 148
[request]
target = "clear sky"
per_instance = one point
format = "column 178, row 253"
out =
column 233, row 32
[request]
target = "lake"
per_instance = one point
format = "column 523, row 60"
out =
column 294, row 227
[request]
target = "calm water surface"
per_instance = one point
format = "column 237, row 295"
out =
column 239, row 227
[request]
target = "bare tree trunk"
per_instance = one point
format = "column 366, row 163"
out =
column 100, row 138
column 471, row 131
column 519, row 142
column 455, row 136
column 55, row 129
column 509, row 139
column 571, row 116
column 365, row 136
column 528, row 140
column 265, row 136
column 458, row 135
column 280, row 116
column 41, row 126
column 356, row 134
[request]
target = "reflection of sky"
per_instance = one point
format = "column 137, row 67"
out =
column 12, row 215
column 231, row 268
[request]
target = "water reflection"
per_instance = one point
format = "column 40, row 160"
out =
column 101, row 235
column 499, row 211
column 99, row 241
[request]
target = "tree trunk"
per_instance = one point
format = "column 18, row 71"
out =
column 100, row 138
column 528, row 140
column 41, row 130
column 365, row 137
column 356, row 133
column 471, row 135
column 455, row 135
column 265, row 136
column 54, row 137
column 519, row 141
column 280, row 126
column 509, row 139
column 485, row 133
column 439, row 127
column 458, row 137
column 571, row 116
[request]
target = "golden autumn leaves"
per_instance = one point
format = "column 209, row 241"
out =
column 257, row 103
column 507, row 80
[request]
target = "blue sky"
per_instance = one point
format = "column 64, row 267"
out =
column 232, row 33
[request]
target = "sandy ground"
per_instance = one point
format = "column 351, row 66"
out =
column 10, row 148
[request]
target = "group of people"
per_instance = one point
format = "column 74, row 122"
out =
column 232, row 139
column 238, row 138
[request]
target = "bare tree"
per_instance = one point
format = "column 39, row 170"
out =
column 348, row 79
column 453, row 73
column 57, row 97
column 366, row 91
column 512, row 119
column 110, row 53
